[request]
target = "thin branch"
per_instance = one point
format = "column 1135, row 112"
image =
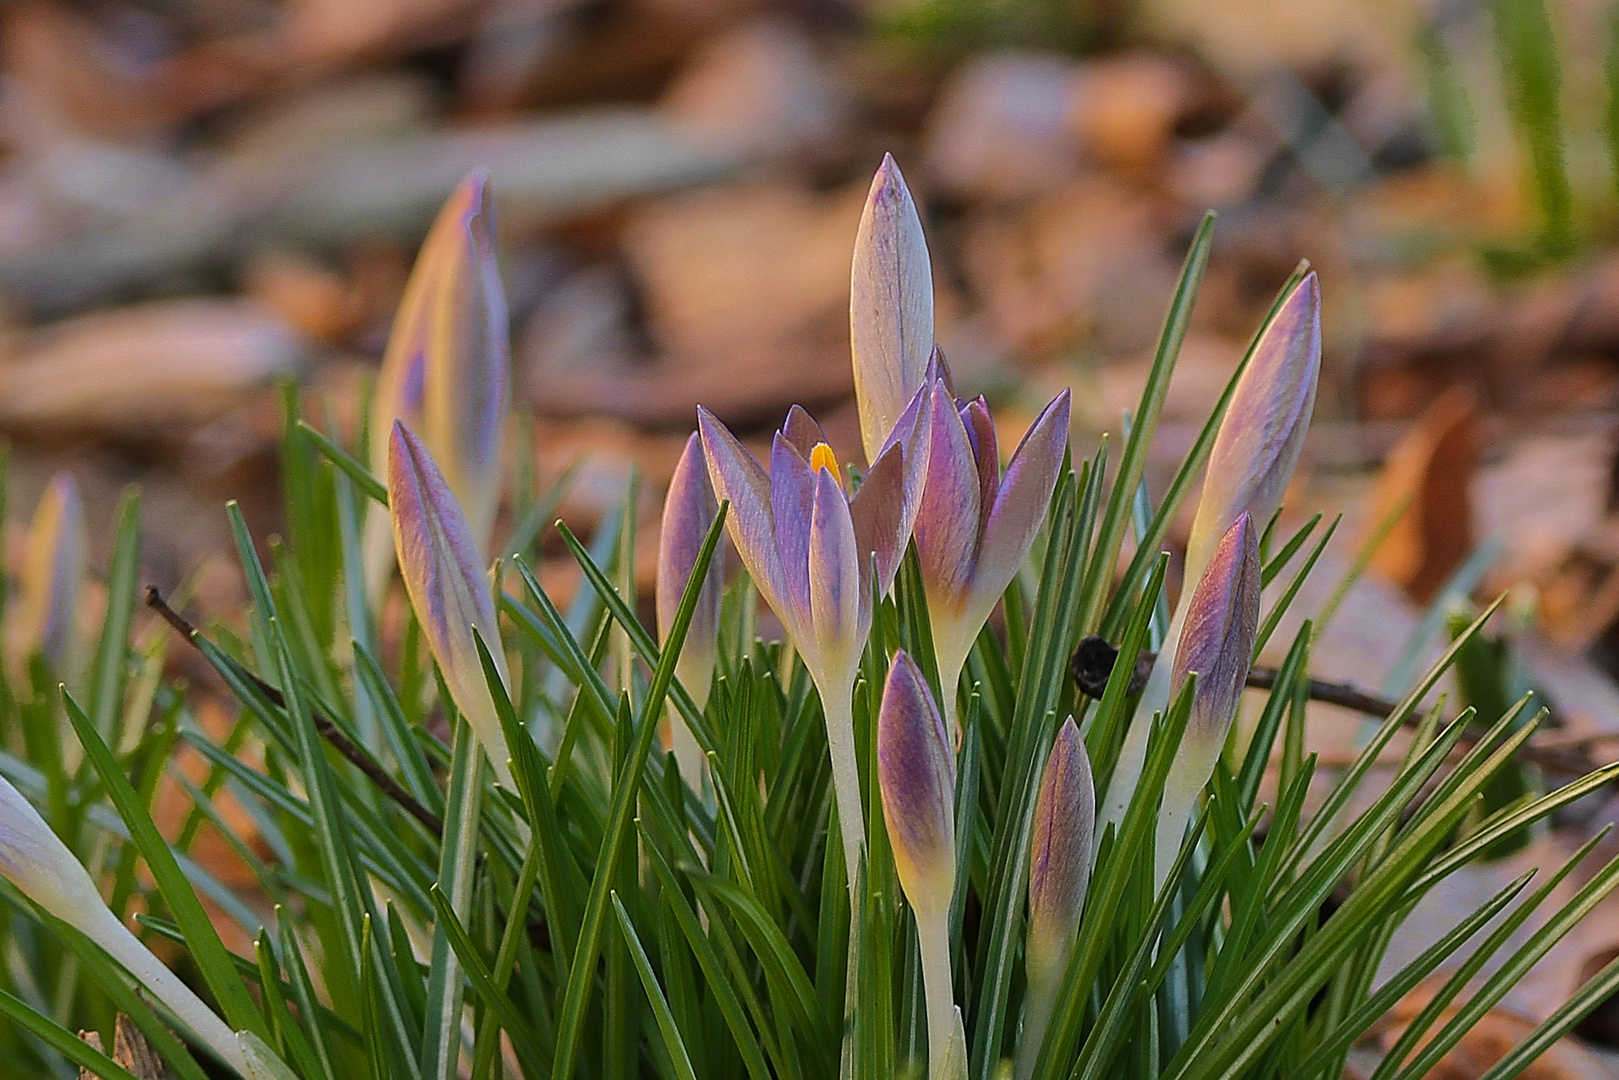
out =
column 334, row 735
column 1092, row 665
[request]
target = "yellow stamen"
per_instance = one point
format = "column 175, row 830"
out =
column 822, row 458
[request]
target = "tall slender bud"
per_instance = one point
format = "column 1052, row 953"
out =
column 446, row 370
column 1059, row 874
column 1262, row 432
column 447, row 585
column 44, row 620
column 890, row 306
column 916, row 772
column 689, row 510
column 1222, row 621
column 42, row 868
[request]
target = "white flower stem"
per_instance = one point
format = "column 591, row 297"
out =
column 837, row 704
column 1039, row 1002
column 933, row 933
column 950, row 666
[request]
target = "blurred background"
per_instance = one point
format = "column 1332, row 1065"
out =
column 204, row 202
column 203, row 199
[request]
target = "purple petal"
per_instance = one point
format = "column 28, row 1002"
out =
column 689, row 510
column 802, row 431
column 890, row 306
column 939, row 368
column 986, row 448
column 882, row 518
column 792, row 497
column 738, row 478
column 1217, row 637
column 1060, row 851
column 1022, row 501
column 1263, row 429
column 917, row 776
column 948, row 522
column 840, row 614
column 446, row 583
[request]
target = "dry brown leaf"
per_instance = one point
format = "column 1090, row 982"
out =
column 1429, row 473
column 1489, row 1040
column 130, row 1049
column 145, row 369
column 746, row 291
column 1004, row 128
column 1125, row 108
column 762, row 87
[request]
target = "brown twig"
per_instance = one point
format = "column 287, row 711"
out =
column 334, row 736
column 1092, row 664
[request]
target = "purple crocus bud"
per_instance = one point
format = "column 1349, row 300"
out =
column 689, row 510
column 52, row 576
column 1222, row 621
column 42, row 868
column 820, row 559
column 1059, row 873
column 890, row 306
column 447, row 366
column 448, row 588
column 975, row 526
column 1060, row 853
column 1263, row 430
column 916, row 772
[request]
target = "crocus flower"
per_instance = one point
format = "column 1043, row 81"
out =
column 688, row 512
column 1250, row 465
column 916, row 772
column 447, row 366
column 53, row 572
column 820, row 558
column 1059, row 873
column 890, row 307
column 975, row 526
column 36, row 861
column 447, row 585
column 1221, row 623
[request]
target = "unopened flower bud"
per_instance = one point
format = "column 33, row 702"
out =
column 1263, row 430
column 447, row 585
column 1222, row 621
column 689, row 510
column 890, row 306
column 446, row 370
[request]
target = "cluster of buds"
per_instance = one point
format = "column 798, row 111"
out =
column 1249, row 468
column 821, row 558
column 446, row 369
column 34, row 859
